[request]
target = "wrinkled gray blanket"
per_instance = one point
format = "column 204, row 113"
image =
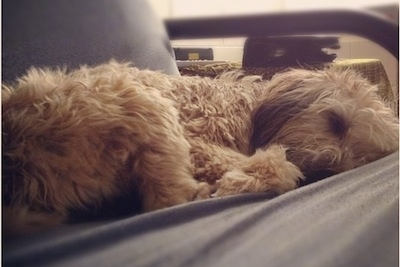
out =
column 349, row 219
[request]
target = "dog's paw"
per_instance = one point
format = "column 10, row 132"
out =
column 203, row 192
column 235, row 182
column 266, row 170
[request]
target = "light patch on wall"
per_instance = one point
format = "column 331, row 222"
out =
column 353, row 4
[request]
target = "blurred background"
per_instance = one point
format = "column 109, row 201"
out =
column 231, row 49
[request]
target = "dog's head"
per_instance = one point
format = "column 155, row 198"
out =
column 329, row 121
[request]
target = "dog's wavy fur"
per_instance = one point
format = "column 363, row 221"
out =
column 73, row 140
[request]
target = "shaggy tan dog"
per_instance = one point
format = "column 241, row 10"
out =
column 76, row 140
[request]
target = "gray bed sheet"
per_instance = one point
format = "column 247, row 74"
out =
column 350, row 219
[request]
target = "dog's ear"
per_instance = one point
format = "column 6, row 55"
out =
column 268, row 118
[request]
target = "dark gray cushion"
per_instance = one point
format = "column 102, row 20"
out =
column 74, row 32
column 350, row 219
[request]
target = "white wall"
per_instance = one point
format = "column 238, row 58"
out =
column 190, row 8
column 232, row 49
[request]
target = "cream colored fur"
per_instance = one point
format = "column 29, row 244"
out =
column 78, row 139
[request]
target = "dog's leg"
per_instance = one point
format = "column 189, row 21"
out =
column 266, row 170
column 165, row 173
column 232, row 172
column 166, row 180
column 212, row 161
